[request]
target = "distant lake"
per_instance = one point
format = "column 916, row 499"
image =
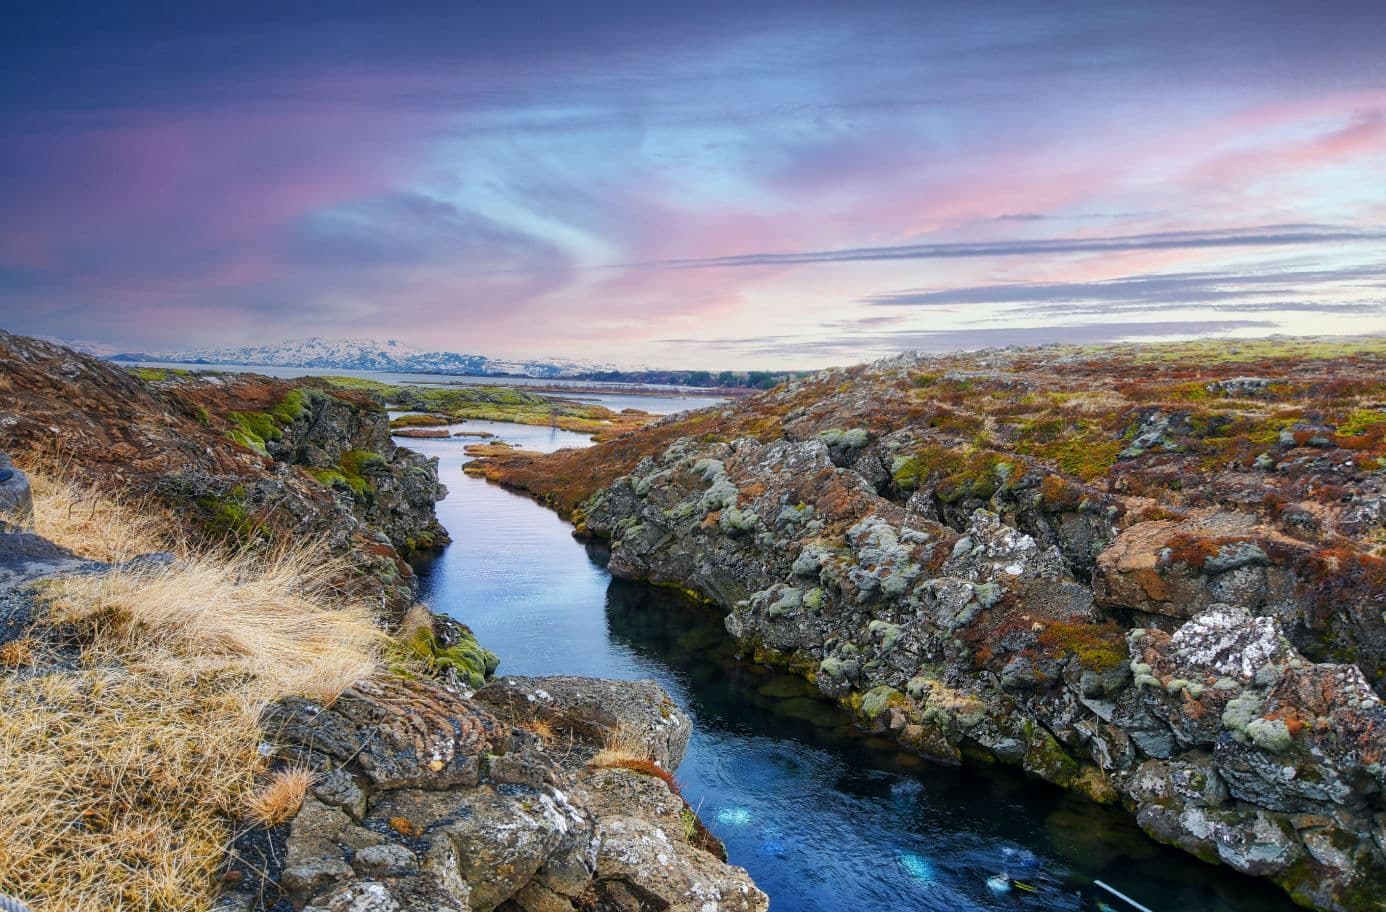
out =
column 663, row 399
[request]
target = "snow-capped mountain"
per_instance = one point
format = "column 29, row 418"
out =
column 85, row 346
column 362, row 354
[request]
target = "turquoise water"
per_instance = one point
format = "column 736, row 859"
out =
column 824, row 818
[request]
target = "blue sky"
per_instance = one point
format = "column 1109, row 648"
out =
column 793, row 184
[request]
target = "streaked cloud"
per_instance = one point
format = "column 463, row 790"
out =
column 1267, row 236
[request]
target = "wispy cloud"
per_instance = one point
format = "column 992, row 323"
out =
column 1150, row 291
column 1262, row 236
column 851, row 177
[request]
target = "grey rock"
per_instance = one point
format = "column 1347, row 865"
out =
column 16, row 500
column 387, row 858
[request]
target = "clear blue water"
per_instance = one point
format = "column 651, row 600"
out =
column 824, row 818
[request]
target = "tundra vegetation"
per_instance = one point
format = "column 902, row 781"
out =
column 149, row 731
column 466, row 402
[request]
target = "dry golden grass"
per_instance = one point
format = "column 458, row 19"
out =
column 121, row 780
column 117, row 785
column 93, row 524
column 17, row 653
column 621, row 748
column 280, row 798
column 270, row 616
column 1093, row 403
column 542, row 728
column 417, row 621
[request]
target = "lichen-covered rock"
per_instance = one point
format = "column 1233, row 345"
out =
column 494, row 842
column 398, row 733
column 1109, row 588
column 594, row 709
column 16, row 501
column 425, row 801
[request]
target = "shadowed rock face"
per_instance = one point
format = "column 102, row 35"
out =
column 235, row 457
column 426, row 801
column 1057, row 562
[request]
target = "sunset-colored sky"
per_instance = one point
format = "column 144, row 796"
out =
column 711, row 184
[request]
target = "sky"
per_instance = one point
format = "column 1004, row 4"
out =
column 719, row 184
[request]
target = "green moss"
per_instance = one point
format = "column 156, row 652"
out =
column 472, row 662
column 1097, row 647
column 229, row 516
column 879, row 699
column 1361, row 421
column 1079, row 447
column 911, row 472
column 1046, row 758
column 293, row 406
column 349, row 472
column 254, row 430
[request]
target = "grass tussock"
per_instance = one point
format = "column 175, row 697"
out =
column 124, row 775
column 622, row 748
column 93, row 524
column 17, row 653
column 281, row 797
column 273, row 618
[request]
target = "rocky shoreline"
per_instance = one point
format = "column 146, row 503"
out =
column 981, row 604
column 428, row 795
column 487, row 815
column 445, row 790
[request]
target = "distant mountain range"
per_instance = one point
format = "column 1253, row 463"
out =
column 364, row 354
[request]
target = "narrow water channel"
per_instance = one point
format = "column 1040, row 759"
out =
column 824, row 818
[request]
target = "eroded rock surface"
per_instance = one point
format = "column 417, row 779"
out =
column 427, row 801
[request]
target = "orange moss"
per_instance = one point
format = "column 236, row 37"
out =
column 1190, row 550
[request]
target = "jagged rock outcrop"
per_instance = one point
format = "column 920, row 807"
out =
column 429, row 800
column 998, row 558
column 233, row 457
column 430, row 797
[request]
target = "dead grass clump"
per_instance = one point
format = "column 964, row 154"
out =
column 122, row 778
column 542, row 728
column 116, row 784
column 17, row 653
column 280, row 798
column 94, row 524
column 272, row 617
column 621, row 745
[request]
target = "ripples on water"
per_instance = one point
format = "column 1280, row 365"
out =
column 824, row 818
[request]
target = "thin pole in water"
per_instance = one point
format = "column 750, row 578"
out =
column 1122, row 896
